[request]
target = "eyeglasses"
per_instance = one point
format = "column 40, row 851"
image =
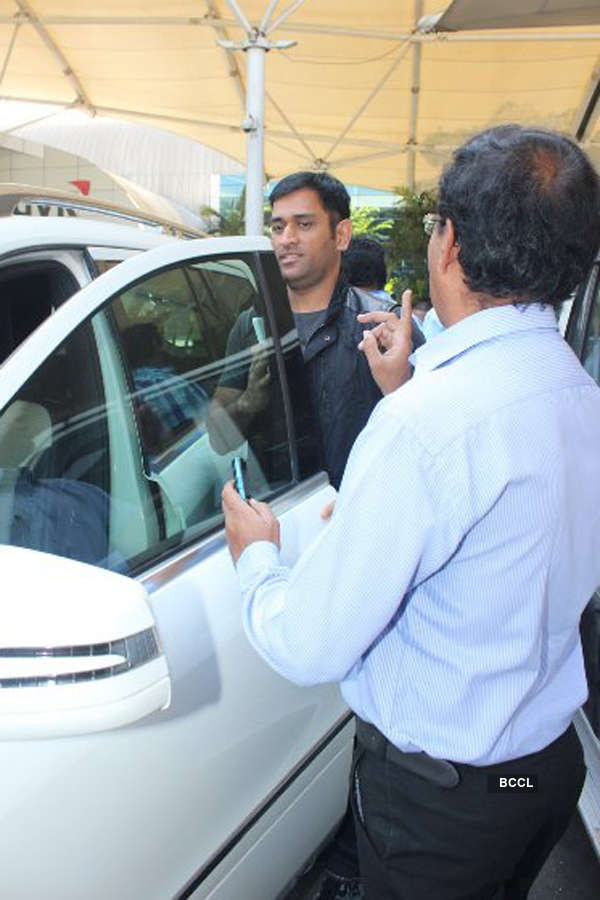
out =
column 430, row 220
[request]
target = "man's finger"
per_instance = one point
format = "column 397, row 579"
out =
column 384, row 332
column 406, row 318
column 231, row 499
column 378, row 315
column 404, row 325
column 262, row 509
column 229, row 495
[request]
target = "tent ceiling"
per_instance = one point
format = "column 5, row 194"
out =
column 362, row 92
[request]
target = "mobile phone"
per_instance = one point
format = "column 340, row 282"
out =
column 258, row 324
column 238, row 465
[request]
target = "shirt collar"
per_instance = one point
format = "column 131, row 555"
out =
column 480, row 327
column 338, row 296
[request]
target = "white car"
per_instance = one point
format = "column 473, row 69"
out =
column 147, row 750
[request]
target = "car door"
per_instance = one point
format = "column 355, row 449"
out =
column 583, row 334
column 118, row 426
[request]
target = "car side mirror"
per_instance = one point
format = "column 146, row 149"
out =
column 79, row 649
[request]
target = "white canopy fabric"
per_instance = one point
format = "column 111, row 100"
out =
column 363, row 93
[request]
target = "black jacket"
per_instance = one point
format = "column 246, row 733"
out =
column 342, row 389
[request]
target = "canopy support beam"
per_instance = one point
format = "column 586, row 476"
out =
column 234, row 71
column 31, row 17
column 588, row 110
column 285, row 15
column 291, row 126
column 306, row 28
column 182, row 120
column 11, row 45
column 380, row 84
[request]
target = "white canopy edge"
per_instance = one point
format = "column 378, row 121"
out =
column 464, row 15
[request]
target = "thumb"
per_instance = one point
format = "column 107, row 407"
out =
column 327, row 510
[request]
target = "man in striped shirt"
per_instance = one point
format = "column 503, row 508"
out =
column 446, row 592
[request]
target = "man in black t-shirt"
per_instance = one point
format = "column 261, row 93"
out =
column 310, row 229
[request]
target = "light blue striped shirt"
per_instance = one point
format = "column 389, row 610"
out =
column 445, row 593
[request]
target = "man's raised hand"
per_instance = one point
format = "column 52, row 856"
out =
column 388, row 345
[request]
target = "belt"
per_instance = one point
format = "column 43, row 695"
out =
column 439, row 771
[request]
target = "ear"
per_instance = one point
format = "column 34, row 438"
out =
column 449, row 250
column 343, row 233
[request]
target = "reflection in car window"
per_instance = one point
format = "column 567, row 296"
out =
column 106, row 453
column 306, row 427
column 175, row 330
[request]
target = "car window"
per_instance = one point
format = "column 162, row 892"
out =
column 591, row 349
column 590, row 621
column 105, row 258
column 131, row 426
column 55, row 460
column 31, row 292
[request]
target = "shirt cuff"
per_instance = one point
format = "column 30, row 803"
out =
column 257, row 557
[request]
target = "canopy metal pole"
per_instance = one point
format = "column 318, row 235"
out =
column 414, row 104
column 256, row 47
column 254, row 126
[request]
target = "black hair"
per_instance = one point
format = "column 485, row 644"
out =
column 364, row 262
column 332, row 193
column 525, row 204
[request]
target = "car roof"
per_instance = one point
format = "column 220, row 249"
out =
column 23, row 232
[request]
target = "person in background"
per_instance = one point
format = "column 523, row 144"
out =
column 421, row 308
column 364, row 265
column 446, row 592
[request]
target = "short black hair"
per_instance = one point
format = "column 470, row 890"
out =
column 364, row 262
column 525, row 204
column 332, row 193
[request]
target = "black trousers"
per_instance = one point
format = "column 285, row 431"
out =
column 420, row 841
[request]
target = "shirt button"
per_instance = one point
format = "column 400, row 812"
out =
column 327, row 337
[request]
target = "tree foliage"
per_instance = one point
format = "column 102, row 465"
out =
column 367, row 220
column 406, row 245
